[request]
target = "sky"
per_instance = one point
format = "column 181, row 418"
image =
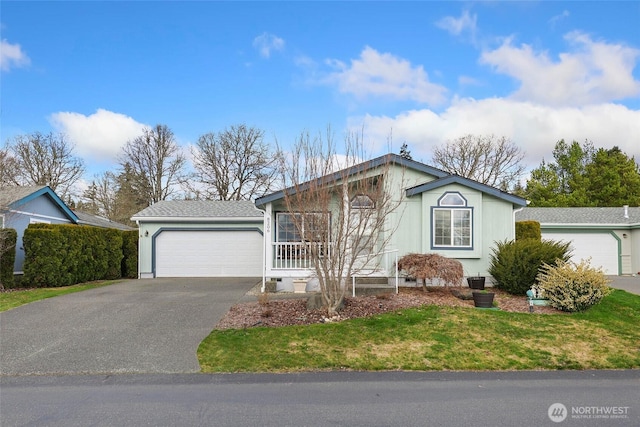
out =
column 421, row 73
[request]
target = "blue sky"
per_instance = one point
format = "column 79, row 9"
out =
column 423, row 72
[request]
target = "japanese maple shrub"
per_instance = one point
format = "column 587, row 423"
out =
column 432, row 266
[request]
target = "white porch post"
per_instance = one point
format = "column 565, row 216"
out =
column 267, row 246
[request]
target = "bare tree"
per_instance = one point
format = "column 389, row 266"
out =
column 341, row 216
column 156, row 161
column 100, row 197
column 235, row 164
column 8, row 167
column 46, row 160
column 486, row 159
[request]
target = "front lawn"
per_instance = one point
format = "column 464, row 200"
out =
column 439, row 338
column 14, row 298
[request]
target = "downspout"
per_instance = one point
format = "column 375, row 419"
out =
column 514, row 219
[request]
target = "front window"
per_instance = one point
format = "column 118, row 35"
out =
column 312, row 226
column 452, row 222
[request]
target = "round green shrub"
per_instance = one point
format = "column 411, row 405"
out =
column 515, row 263
column 572, row 287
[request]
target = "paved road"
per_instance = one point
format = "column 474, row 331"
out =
column 136, row 326
column 591, row 398
column 627, row 283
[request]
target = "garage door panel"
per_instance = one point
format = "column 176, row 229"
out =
column 602, row 248
column 201, row 253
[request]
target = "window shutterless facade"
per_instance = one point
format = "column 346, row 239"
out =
column 452, row 223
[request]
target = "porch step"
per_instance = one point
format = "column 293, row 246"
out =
column 373, row 289
column 371, row 281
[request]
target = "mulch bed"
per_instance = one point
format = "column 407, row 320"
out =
column 272, row 312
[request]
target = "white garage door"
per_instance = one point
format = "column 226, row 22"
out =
column 601, row 247
column 201, row 253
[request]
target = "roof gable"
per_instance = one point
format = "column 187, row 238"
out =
column 15, row 196
column 359, row 168
column 442, row 179
column 455, row 179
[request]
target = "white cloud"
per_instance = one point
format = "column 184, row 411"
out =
column 265, row 43
column 385, row 75
column 559, row 17
column 533, row 127
column 457, row 26
column 12, row 55
column 99, row 136
column 593, row 72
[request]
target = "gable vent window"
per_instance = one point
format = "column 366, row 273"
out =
column 452, row 222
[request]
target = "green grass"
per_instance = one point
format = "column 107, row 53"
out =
column 439, row 338
column 12, row 299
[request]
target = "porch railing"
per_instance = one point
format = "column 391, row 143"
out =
column 296, row 255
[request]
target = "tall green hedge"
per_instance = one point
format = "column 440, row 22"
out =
column 515, row 264
column 528, row 230
column 63, row 255
column 8, row 238
column 130, row 252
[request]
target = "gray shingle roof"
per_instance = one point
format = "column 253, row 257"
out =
column 13, row 194
column 85, row 218
column 580, row 215
column 200, row 209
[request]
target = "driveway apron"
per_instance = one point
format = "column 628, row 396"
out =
column 135, row 326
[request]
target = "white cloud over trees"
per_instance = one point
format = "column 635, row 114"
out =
column 98, row 136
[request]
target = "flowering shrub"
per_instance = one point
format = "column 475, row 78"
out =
column 572, row 287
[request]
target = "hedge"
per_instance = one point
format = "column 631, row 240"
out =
column 130, row 252
column 63, row 255
column 515, row 264
column 528, row 230
column 8, row 238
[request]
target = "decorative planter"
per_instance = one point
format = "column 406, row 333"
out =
column 299, row 286
column 476, row 282
column 483, row 299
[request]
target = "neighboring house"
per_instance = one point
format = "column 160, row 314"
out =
column 439, row 213
column 197, row 238
column 609, row 236
column 85, row 218
column 21, row 206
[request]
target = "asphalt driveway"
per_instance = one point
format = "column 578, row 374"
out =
column 135, row 326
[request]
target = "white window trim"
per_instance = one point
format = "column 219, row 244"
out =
column 452, row 228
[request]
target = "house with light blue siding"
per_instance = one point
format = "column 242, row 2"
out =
column 21, row 206
column 439, row 213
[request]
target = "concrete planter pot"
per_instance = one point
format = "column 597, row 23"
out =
column 299, row 286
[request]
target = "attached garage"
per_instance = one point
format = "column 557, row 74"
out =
column 602, row 248
column 208, row 253
column 609, row 236
column 196, row 238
